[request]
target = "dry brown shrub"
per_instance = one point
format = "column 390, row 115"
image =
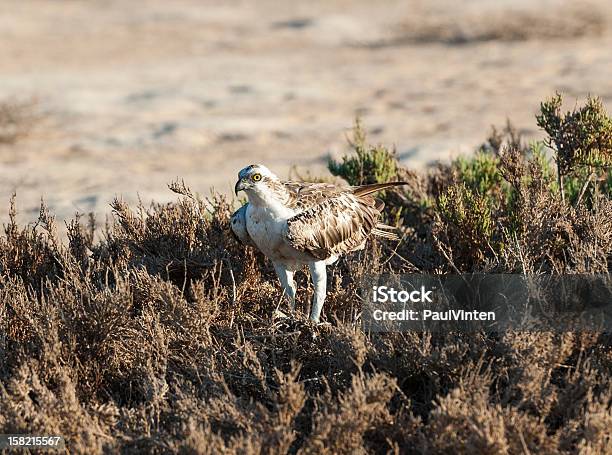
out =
column 159, row 338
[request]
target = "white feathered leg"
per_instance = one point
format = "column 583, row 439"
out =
column 318, row 272
column 286, row 278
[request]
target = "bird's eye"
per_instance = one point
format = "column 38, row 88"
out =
column 256, row 177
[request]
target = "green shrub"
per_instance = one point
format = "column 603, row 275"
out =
column 369, row 164
column 480, row 172
column 467, row 214
column 376, row 164
column 580, row 138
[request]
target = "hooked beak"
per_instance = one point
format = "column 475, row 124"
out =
column 240, row 186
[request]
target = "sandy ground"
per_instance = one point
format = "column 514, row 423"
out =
column 132, row 94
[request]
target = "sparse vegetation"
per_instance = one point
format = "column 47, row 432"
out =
column 158, row 337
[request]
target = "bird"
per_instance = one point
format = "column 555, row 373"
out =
column 296, row 224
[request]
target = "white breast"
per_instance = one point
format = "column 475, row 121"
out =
column 265, row 226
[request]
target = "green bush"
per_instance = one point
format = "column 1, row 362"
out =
column 581, row 138
column 369, row 164
column 480, row 172
column 469, row 214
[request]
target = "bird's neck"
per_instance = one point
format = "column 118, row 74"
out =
column 266, row 199
column 273, row 201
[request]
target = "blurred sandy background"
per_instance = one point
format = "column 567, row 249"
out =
column 115, row 97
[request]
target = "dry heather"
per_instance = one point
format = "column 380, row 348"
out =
column 159, row 338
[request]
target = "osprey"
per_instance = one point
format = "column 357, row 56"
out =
column 296, row 224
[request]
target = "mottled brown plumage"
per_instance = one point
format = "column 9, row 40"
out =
column 297, row 223
column 335, row 220
column 331, row 219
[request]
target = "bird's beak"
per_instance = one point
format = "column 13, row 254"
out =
column 240, row 186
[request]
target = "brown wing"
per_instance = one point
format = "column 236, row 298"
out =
column 304, row 195
column 337, row 225
column 335, row 219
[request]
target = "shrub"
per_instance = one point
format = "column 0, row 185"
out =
column 580, row 138
column 159, row 336
column 370, row 164
column 470, row 216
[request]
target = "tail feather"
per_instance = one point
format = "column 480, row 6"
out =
column 364, row 190
column 380, row 230
column 384, row 234
column 385, row 226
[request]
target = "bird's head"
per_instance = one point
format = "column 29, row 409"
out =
column 258, row 182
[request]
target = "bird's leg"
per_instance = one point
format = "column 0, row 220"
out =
column 286, row 278
column 318, row 272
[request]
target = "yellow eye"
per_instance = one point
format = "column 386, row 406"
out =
column 256, row 177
